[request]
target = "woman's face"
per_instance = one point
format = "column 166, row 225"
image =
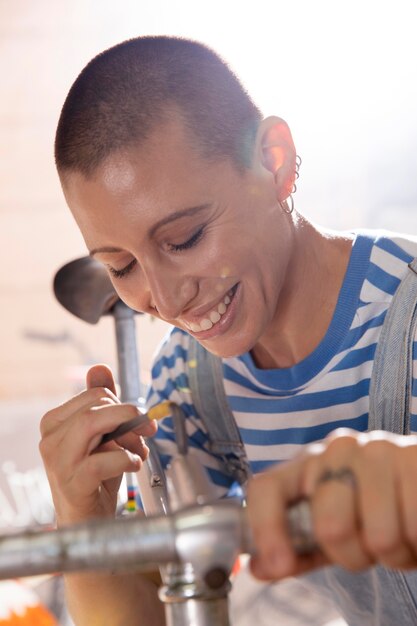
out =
column 195, row 243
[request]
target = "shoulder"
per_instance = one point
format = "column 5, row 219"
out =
column 392, row 250
column 389, row 256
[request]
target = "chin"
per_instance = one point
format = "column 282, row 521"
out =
column 228, row 349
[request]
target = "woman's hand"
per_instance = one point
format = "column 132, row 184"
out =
column 84, row 476
column 362, row 489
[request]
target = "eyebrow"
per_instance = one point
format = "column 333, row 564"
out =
column 176, row 215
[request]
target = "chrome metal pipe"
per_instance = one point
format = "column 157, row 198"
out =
column 151, row 478
column 191, row 612
column 124, row 543
column 208, row 537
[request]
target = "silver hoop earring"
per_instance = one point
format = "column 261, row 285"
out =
column 298, row 162
column 285, row 207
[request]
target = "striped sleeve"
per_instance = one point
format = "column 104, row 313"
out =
column 170, row 382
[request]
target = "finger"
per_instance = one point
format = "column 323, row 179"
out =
column 380, row 507
column 55, row 417
column 269, row 495
column 61, row 429
column 90, row 425
column 407, row 496
column 82, row 433
column 336, row 524
column 148, row 429
column 101, row 467
column 101, row 376
column 135, row 443
column 303, row 564
column 332, row 487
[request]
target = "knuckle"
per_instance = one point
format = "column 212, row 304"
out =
column 104, row 401
column 376, row 451
column 381, row 542
column 45, row 422
column 44, row 448
column 48, row 450
column 341, row 441
column 144, row 453
column 343, row 433
column 97, row 393
column 137, row 463
column 332, row 530
column 130, row 411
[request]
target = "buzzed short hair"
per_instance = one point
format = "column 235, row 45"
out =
column 123, row 93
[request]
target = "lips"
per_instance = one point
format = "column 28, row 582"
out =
column 213, row 317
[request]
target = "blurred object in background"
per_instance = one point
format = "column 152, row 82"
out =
column 25, row 501
column 25, row 498
column 20, row 606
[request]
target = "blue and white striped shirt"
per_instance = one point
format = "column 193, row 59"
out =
column 279, row 410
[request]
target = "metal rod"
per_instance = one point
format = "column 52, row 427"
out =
column 139, row 543
column 104, row 544
column 127, row 355
column 151, row 478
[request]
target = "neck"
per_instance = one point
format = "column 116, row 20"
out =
column 308, row 298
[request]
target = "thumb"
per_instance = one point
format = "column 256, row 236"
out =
column 101, row 376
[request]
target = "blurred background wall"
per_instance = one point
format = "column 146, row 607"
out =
column 343, row 75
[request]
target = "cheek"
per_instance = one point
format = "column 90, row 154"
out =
column 130, row 296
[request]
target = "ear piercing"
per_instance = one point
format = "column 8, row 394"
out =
column 289, row 208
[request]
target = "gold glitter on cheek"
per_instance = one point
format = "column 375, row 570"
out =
column 255, row 190
column 225, row 272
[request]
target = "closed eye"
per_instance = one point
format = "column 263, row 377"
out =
column 177, row 247
column 124, row 271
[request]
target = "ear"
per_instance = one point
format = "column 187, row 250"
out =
column 277, row 154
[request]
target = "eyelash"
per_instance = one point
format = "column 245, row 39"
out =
column 124, row 271
column 173, row 247
column 189, row 243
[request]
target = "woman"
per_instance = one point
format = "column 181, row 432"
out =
column 183, row 191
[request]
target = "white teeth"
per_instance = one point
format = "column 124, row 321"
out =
column 215, row 316
column 205, row 324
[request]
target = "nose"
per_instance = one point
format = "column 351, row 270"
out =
column 169, row 292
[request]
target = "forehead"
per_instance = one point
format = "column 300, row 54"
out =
column 143, row 184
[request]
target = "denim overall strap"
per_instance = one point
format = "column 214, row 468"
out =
column 380, row 596
column 205, row 376
column 391, row 383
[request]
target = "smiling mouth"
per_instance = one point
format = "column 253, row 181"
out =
column 213, row 317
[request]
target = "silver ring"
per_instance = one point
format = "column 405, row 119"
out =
column 342, row 474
